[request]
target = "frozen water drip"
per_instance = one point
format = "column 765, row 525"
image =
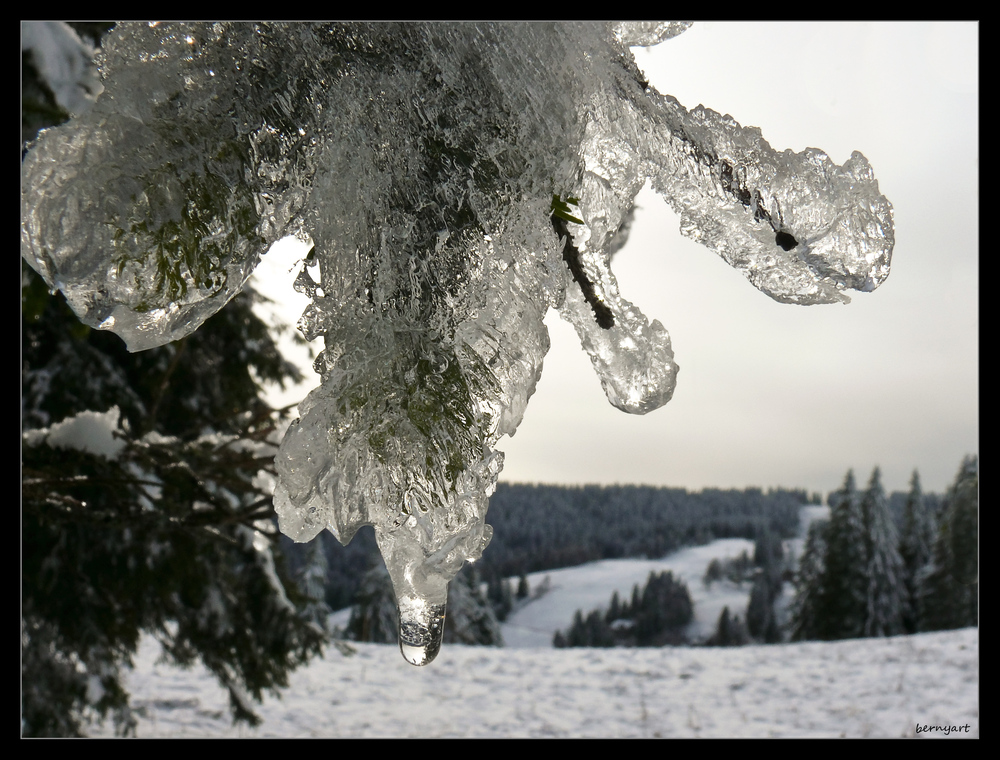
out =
column 421, row 630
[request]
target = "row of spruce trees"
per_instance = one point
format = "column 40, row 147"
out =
column 859, row 576
column 661, row 611
column 655, row 617
column 862, row 574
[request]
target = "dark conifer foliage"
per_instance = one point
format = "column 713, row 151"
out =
column 539, row 527
column 914, row 548
column 886, row 595
column 948, row 595
column 614, row 609
column 913, row 578
column 737, row 570
column 713, row 573
column 374, row 617
column 501, row 597
column 665, row 610
column 523, row 590
column 172, row 537
column 657, row 616
column 760, row 611
column 730, row 631
column 845, row 585
column 807, row 606
column 470, row 619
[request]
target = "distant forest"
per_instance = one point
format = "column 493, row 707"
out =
column 547, row 527
column 544, row 527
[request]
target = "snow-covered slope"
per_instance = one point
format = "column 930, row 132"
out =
column 590, row 586
column 858, row 688
column 861, row 688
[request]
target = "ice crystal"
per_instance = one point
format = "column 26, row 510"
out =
column 457, row 181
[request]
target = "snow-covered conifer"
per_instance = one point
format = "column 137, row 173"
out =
column 375, row 617
column 470, row 618
column 313, row 583
column 886, row 592
column 843, row 609
column 809, row 592
column 915, row 545
column 169, row 531
column 760, row 610
column 948, row 595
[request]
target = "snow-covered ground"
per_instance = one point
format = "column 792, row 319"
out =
column 860, row 688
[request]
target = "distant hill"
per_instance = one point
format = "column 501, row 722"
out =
column 544, row 527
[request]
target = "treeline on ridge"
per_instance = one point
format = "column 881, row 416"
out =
column 540, row 527
column 545, row 527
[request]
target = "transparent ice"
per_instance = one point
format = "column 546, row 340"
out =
column 457, row 181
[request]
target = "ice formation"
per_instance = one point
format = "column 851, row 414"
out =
column 457, row 181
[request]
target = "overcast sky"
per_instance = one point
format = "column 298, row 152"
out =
column 771, row 394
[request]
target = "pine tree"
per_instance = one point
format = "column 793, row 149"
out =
column 636, row 602
column 885, row 598
column 760, row 610
column 810, row 594
column 915, row 546
column 173, row 535
column 507, row 601
column 501, row 597
column 522, row 587
column 948, row 595
column 470, row 619
column 659, row 615
column 577, row 635
column 767, row 585
column 729, row 631
column 963, row 511
column 713, row 572
column 375, row 617
column 598, row 632
column 843, row 609
column 614, row 609
column 313, row 583
column 663, row 611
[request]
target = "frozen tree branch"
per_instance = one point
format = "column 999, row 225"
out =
column 421, row 160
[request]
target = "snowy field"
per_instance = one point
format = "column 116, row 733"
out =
column 860, row 688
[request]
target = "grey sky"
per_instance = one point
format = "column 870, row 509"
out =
column 771, row 394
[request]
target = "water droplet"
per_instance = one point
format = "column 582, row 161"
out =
column 421, row 630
